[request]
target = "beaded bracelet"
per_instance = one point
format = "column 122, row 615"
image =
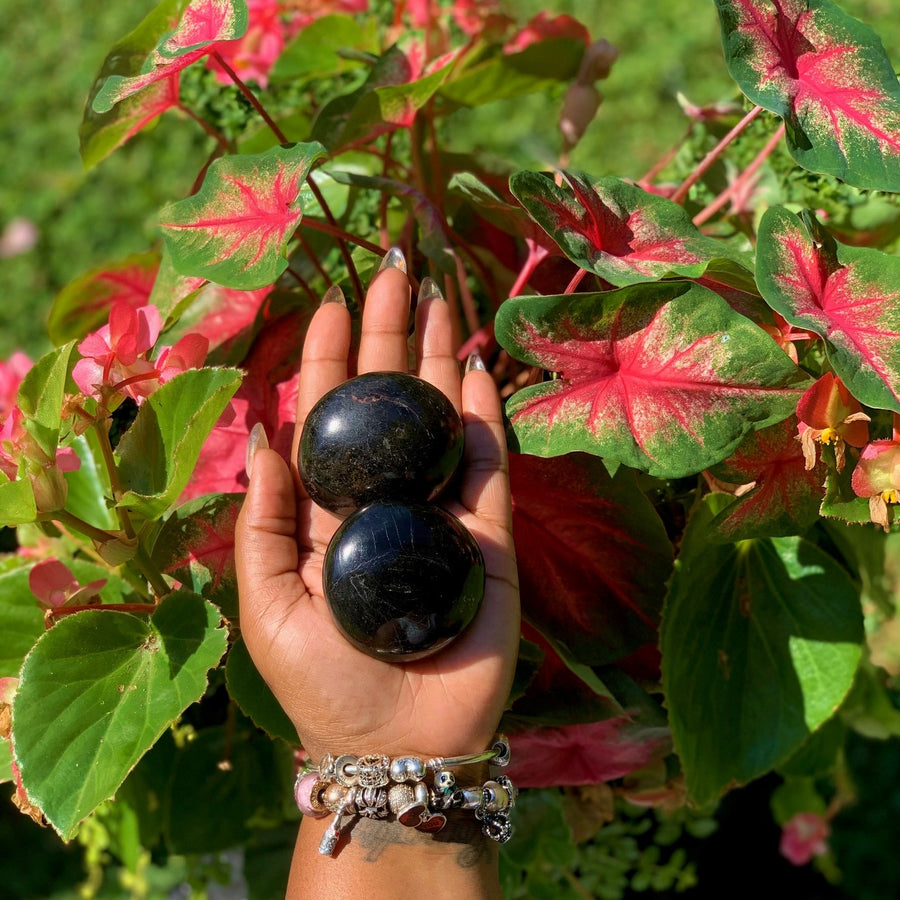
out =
column 417, row 793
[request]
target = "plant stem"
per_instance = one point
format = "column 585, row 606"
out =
column 713, row 155
column 214, row 133
column 654, row 170
column 60, row 611
column 252, row 99
column 715, row 205
column 536, row 255
column 78, row 524
column 112, row 471
column 150, row 571
column 337, row 231
column 576, row 280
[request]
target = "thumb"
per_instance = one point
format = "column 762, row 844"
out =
column 266, row 530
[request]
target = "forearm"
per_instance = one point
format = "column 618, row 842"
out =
column 383, row 860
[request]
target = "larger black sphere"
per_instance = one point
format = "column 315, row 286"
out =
column 403, row 580
column 379, row 436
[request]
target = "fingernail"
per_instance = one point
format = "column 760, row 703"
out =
column 428, row 290
column 256, row 441
column 475, row 364
column 334, row 295
column 393, row 259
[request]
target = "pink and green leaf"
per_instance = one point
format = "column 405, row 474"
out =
column 827, row 75
column 666, row 377
column 593, row 555
column 183, row 34
column 850, row 296
column 785, row 498
column 83, row 305
column 617, row 230
column 235, row 229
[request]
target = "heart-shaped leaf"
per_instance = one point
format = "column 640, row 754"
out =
column 593, row 555
column 826, row 74
column 158, row 452
column 183, row 34
column 850, row 296
column 21, row 619
column 95, row 693
column 760, row 643
column 234, row 230
column 663, row 377
column 617, row 230
column 83, row 305
column 785, row 498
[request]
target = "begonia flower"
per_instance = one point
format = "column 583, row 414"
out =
column 543, row 27
column 877, row 477
column 829, row 414
column 786, row 335
column 12, row 371
column 54, row 585
column 804, row 836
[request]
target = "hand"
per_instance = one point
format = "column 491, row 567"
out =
column 339, row 699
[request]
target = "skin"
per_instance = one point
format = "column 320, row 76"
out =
column 342, row 701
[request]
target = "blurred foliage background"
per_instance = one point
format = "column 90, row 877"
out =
column 48, row 58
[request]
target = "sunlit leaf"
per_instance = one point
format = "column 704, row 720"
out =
column 234, row 230
column 21, row 619
column 615, row 229
column 109, row 683
column 320, row 50
column 593, row 555
column 850, row 296
column 41, row 395
column 760, row 642
column 662, row 377
column 827, row 75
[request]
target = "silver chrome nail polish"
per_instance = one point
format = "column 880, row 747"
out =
column 334, row 295
column 475, row 364
column 393, row 259
column 257, row 440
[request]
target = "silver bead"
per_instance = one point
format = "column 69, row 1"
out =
column 471, row 798
column 407, row 768
column 372, row 770
column 495, row 797
column 372, row 802
column 345, row 769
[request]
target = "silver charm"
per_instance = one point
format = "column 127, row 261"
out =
column 407, row 768
column 372, row 802
column 372, row 770
column 345, row 769
column 496, row 826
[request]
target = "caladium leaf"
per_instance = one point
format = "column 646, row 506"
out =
column 617, row 230
column 760, row 643
column 127, row 678
column 827, row 75
column 664, row 377
column 196, row 547
column 593, row 555
column 850, row 296
column 234, row 230
column 785, row 498
column 83, row 305
column 186, row 32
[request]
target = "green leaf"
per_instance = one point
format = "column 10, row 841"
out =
column 21, row 619
column 5, row 762
column 662, row 377
column 235, row 229
column 159, row 451
column 326, row 47
column 17, row 505
column 223, row 786
column 251, row 693
column 827, row 75
column 41, row 396
column 88, row 485
column 760, row 644
column 96, row 692
column 617, row 230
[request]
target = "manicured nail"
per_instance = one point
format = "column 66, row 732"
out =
column 256, row 441
column 393, row 259
column 428, row 290
column 475, row 364
column 334, row 295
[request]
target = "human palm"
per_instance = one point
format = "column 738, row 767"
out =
column 339, row 699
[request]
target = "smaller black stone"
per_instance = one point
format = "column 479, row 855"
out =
column 403, row 580
column 379, row 436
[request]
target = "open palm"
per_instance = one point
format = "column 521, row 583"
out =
column 339, row 699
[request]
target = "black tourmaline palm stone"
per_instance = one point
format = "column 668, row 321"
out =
column 403, row 580
column 379, row 436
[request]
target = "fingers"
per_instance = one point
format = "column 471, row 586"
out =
column 434, row 343
column 485, row 483
column 265, row 533
column 385, row 323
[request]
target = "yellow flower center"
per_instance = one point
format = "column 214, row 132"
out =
column 829, row 435
column 891, row 496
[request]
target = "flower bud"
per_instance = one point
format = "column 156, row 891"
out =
column 597, row 62
column 579, row 108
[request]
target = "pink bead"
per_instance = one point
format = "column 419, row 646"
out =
column 302, row 793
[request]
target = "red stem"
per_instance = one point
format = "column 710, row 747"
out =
column 654, row 170
column 576, row 280
column 715, row 205
column 713, row 155
column 536, row 255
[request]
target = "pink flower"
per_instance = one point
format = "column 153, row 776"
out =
column 116, row 357
column 12, row 371
column 476, row 17
column 877, row 476
column 785, row 335
column 542, row 27
column 830, row 414
column 54, row 585
column 255, row 53
column 804, row 836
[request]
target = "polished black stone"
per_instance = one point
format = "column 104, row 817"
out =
column 379, row 436
column 403, row 580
